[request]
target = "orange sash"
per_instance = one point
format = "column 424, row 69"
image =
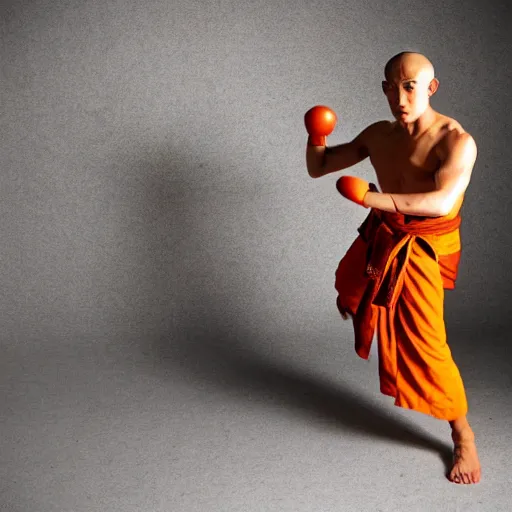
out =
column 371, row 273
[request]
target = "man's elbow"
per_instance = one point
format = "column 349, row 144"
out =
column 442, row 212
column 315, row 173
column 445, row 206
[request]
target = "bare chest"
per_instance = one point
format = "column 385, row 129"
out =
column 404, row 166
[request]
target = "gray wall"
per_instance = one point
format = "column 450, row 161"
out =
column 153, row 185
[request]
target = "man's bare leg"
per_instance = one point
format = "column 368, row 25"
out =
column 466, row 466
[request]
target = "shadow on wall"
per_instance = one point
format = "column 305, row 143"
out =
column 190, row 269
column 198, row 316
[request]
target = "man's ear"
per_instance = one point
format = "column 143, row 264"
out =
column 433, row 86
column 384, row 87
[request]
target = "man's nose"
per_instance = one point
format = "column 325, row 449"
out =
column 402, row 99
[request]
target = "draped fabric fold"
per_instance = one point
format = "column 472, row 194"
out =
column 392, row 279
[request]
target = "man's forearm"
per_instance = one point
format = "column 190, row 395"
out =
column 322, row 160
column 428, row 204
column 315, row 157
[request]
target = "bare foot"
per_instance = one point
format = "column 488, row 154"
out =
column 466, row 466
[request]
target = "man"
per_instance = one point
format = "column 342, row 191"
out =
column 392, row 278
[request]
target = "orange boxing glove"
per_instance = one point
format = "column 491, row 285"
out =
column 320, row 122
column 353, row 188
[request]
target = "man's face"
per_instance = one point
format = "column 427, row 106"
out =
column 408, row 93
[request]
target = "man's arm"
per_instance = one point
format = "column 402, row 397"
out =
column 322, row 160
column 458, row 157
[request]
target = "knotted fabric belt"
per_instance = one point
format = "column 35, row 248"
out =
column 390, row 238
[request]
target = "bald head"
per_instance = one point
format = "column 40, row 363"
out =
column 409, row 64
column 409, row 84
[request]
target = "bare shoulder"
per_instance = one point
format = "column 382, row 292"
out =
column 453, row 138
column 366, row 140
column 380, row 127
column 376, row 131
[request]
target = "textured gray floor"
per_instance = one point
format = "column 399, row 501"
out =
column 209, row 425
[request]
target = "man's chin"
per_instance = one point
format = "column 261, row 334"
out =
column 405, row 119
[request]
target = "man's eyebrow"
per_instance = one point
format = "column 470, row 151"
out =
column 410, row 80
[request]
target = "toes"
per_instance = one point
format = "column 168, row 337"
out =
column 454, row 477
column 460, row 477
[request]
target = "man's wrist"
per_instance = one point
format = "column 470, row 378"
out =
column 380, row 201
column 316, row 140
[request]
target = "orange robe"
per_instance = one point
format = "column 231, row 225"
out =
column 392, row 280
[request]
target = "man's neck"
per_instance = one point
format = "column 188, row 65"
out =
column 417, row 128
